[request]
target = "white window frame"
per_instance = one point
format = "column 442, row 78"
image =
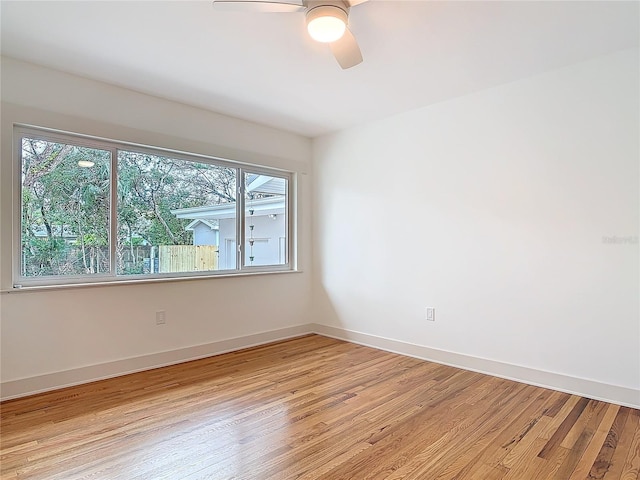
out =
column 114, row 146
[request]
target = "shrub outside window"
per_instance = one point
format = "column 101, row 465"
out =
column 94, row 210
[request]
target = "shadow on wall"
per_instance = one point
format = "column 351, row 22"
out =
column 324, row 312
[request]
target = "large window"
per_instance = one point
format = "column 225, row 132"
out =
column 93, row 210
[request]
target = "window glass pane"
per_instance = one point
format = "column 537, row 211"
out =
column 65, row 209
column 265, row 220
column 174, row 215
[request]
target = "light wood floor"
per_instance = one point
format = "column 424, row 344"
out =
column 316, row 408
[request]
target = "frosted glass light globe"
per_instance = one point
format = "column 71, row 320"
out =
column 326, row 24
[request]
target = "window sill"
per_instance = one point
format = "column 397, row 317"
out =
column 140, row 281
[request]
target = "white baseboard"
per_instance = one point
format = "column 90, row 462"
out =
column 578, row 386
column 77, row 376
column 555, row 381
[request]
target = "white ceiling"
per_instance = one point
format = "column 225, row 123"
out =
column 264, row 67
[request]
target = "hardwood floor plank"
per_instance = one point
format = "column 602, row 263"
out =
column 489, row 448
column 481, row 434
column 469, row 443
column 564, row 428
column 631, row 468
column 485, row 472
column 558, row 419
column 603, row 461
column 590, row 454
column 315, row 408
column 552, row 464
column 587, row 424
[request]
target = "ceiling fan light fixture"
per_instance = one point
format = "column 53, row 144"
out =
column 326, row 23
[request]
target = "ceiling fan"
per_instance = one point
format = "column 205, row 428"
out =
column 326, row 22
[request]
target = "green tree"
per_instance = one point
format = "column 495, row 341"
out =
column 62, row 202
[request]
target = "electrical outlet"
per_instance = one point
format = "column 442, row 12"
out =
column 430, row 314
column 161, row 317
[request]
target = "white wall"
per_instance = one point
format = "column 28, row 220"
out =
column 506, row 196
column 60, row 330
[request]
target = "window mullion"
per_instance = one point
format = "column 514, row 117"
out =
column 113, row 213
column 240, row 213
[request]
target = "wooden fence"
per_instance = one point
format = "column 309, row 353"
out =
column 187, row 258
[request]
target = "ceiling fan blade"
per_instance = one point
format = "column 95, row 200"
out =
column 346, row 50
column 283, row 6
column 353, row 3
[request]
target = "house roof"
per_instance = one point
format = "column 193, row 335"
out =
column 266, row 184
column 212, row 225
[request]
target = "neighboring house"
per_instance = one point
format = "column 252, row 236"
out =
column 205, row 232
column 266, row 226
column 40, row 231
